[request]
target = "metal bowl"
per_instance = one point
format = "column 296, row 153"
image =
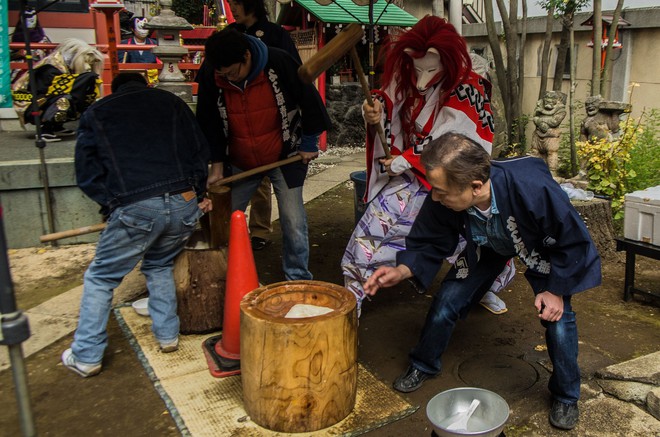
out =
column 488, row 419
column 141, row 306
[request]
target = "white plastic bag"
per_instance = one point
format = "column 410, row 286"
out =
column 576, row 193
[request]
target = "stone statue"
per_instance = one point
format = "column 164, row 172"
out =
column 550, row 111
column 602, row 120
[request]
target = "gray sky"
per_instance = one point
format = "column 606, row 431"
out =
column 533, row 9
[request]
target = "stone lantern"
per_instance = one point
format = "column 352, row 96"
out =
column 170, row 51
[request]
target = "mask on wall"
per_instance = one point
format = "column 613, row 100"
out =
column 140, row 31
column 428, row 69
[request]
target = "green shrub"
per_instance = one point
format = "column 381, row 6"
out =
column 626, row 164
column 645, row 155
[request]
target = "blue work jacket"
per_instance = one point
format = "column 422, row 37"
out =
column 548, row 234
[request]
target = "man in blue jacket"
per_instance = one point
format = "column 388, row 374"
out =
column 502, row 209
column 140, row 155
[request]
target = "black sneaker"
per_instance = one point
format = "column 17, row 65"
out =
column 564, row 416
column 411, row 380
column 259, row 243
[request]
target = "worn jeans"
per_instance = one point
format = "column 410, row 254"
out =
column 293, row 219
column 154, row 230
column 453, row 301
column 260, row 211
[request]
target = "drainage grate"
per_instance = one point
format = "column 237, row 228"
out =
column 498, row 372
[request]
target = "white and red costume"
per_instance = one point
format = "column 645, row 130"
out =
column 416, row 110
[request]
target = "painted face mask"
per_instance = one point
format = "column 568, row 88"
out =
column 140, row 31
column 428, row 69
column 30, row 19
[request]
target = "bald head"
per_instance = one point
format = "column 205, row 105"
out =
column 462, row 159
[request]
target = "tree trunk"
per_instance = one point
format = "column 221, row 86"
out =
column 558, row 79
column 545, row 55
column 199, row 275
column 511, row 42
column 500, row 70
column 521, row 63
column 596, row 60
column 438, row 8
column 597, row 215
column 571, row 98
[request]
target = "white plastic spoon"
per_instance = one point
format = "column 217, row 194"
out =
column 462, row 421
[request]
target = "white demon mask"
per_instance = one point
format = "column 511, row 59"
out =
column 140, row 31
column 428, row 69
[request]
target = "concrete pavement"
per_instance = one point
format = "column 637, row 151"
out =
column 57, row 317
column 621, row 399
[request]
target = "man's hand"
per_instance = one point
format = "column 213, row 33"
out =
column 386, row 277
column 215, row 174
column 205, row 205
column 372, row 114
column 395, row 166
column 550, row 306
column 308, row 156
column 387, row 163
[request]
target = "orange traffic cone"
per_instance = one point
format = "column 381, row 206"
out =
column 223, row 351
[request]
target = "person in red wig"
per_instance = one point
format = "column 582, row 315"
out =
column 428, row 88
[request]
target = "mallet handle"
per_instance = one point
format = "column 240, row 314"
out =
column 254, row 171
column 72, row 233
column 224, row 181
column 370, row 101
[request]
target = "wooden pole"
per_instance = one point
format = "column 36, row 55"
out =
column 367, row 95
column 224, row 181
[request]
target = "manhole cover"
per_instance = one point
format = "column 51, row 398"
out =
column 498, row 373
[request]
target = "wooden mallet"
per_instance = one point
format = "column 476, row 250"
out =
column 329, row 54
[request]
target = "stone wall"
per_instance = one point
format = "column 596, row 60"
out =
column 344, row 104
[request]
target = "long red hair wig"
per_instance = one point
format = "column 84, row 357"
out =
column 429, row 32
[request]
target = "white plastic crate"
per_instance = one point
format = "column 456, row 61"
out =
column 642, row 216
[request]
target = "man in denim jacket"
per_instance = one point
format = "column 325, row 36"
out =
column 501, row 209
column 141, row 155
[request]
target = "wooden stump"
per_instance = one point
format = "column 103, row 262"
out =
column 597, row 215
column 199, row 275
column 220, row 215
column 299, row 374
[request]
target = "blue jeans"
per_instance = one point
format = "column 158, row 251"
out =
column 154, row 230
column 454, row 300
column 293, row 219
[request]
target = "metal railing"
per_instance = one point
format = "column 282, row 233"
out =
column 103, row 48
